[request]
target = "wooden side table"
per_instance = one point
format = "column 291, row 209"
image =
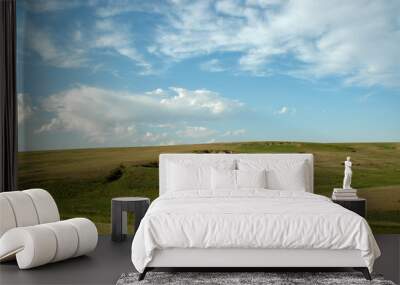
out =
column 119, row 208
column 357, row 205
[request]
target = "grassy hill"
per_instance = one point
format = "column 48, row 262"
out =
column 83, row 181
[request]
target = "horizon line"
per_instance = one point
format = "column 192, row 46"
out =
column 213, row 143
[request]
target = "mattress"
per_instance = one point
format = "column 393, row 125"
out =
column 250, row 219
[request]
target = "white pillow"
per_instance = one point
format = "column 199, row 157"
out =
column 251, row 178
column 181, row 177
column 223, row 179
column 281, row 174
column 288, row 176
column 194, row 174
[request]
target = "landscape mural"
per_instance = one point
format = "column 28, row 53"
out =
column 104, row 87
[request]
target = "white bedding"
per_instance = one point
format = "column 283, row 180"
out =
column 250, row 219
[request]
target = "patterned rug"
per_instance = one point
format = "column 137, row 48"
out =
column 269, row 278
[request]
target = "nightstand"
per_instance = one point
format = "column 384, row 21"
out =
column 357, row 205
column 119, row 208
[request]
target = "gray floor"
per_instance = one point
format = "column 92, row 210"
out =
column 103, row 266
column 110, row 260
column 389, row 262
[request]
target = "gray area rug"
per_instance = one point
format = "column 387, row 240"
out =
column 228, row 278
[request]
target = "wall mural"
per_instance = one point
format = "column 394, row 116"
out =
column 105, row 86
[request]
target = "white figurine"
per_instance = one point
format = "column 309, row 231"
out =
column 347, row 174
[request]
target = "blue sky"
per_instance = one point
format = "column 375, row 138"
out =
column 130, row 73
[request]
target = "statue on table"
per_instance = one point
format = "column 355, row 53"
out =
column 347, row 174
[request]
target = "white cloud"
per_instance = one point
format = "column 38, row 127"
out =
column 200, row 100
column 116, row 36
column 152, row 138
column 213, row 65
column 163, row 126
column 285, row 110
column 101, row 115
column 40, row 6
column 117, row 7
column 55, row 123
column 157, row 92
column 73, row 52
column 282, row 110
column 238, row 132
column 263, row 3
column 77, row 36
column 365, row 97
column 196, row 132
column 25, row 109
column 54, row 54
column 356, row 40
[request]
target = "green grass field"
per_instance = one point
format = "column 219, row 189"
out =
column 84, row 181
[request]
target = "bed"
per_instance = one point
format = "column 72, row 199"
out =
column 247, row 210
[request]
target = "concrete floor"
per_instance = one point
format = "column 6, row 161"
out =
column 110, row 260
column 103, row 266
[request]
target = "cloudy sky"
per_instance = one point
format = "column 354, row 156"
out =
column 95, row 73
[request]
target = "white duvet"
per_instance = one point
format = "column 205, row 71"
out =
column 250, row 219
